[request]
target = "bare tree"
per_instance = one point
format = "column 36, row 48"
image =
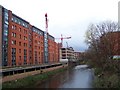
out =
column 101, row 40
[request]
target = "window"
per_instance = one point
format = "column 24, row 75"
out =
column 30, row 34
column 13, row 27
column 6, row 18
column 6, row 14
column 23, row 24
column 19, row 22
column 15, row 20
column 5, row 26
column 35, row 36
column 30, row 57
column 25, row 44
column 26, row 25
column 20, row 29
column 19, row 43
column 25, row 51
column 30, row 46
column 35, row 47
column 30, row 39
column 25, row 59
column 19, row 50
column 13, row 50
column 12, row 19
column 5, row 33
column 5, row 38
column 39, row 59
column 25, row 56
column 19, row 57
column 13, row 34
column 38, row 42
column 25, row 31
column 6, row 22
column 30, row 52
column 13, row 42
column 25, row 38
column 36, row 57
column 20, row 36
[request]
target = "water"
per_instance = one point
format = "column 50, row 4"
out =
column 78, row 77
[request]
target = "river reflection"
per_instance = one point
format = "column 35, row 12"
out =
column 78, row 77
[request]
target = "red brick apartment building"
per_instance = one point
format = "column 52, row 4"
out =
column 112, row 41
column 53, row 49
column 22, row 43
column 116, row 42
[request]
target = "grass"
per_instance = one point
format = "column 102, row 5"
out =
column 111, row 81
column 106, row 79
column 30, row 80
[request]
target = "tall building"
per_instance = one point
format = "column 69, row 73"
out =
column 24, row 44
column 53, row 49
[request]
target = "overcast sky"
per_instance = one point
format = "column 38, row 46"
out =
column 66, row 17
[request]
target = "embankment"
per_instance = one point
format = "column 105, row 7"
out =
column 29, row 78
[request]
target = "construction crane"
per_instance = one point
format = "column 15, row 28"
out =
column 62, row 39
column 46, row 22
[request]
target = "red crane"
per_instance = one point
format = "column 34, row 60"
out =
column 62, row 39
column 46, row 22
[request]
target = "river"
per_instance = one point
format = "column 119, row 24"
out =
column 78, row 77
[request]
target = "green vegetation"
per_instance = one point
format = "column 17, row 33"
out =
column 31, row 80
column 101, row 40
column 106, row 79
column 107, row 75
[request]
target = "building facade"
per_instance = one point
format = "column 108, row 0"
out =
column 110, row 43
column 53, row 49
column 24, row 44
column 67, row 53
column 77, row 55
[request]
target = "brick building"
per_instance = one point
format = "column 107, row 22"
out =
column 110, row 42
column 77, row 55
column 24, row 44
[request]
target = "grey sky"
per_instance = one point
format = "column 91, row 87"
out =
column 67, row 17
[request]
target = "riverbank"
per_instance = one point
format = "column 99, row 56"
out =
column 31, row 80
column 106, row 79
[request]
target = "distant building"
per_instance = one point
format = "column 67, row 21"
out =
column 112, row 41
column 67, row 54
column 53, row 49
column 24, row 44
column 77, row 55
